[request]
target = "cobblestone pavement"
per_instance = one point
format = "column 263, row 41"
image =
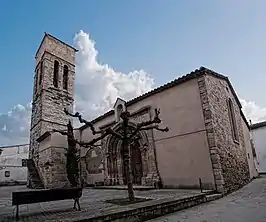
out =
column 92, row 201
column 245, row 205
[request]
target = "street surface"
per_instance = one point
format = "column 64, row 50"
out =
column 92, row 202
column 245, row 205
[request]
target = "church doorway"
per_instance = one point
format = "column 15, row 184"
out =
column 115, row 170
column 136, row 164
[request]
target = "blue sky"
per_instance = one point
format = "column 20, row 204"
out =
column 165, row 38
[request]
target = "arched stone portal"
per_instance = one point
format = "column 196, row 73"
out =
column 136, row 163
column 114, row 168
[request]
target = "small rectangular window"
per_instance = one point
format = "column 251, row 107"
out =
column 253, row 148
column 24, row 162
column 233, row 120
column 7, row 173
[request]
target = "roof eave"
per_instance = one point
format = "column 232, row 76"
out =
column 51, row 36
column 192, row 75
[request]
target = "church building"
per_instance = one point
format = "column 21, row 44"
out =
column 207, row 145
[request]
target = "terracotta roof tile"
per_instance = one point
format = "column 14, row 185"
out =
column 258, row 125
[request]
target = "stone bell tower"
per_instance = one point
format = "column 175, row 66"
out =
column 52, row 92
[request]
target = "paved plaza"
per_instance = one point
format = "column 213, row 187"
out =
column 245, row 205
column 92, row 203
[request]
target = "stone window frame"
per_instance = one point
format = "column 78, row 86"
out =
column 119, row 110
column 65, row 77
column 7, row 173
column 24, row 163
column 41, row 73
column 232, row 117
column 254, row 154
column 56, row 73
column 36, row 81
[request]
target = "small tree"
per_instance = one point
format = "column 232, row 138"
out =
column 72, row 158
column 127, row 137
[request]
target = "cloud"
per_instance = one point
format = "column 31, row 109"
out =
column 96, row 88
column 14, row 126
column 252, row 111
column 98, row 85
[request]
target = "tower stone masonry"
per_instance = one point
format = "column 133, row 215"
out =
column 53, row 91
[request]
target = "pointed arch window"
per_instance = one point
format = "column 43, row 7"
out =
column 41, row 74
column 119, row 110
column 65, row 77
column 36, row 81
column 56, row 70
column 232, row 118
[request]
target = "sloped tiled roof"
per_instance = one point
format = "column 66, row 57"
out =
column 258, row 125
column 16, row 145
column 194, row 74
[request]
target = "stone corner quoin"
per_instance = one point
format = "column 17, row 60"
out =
column 228, row 157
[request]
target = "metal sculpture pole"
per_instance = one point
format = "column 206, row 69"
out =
column 127, row 138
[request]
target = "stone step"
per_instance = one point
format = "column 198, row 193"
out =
column 36, row 181
column 212, row 197
column 38, row 187
column 209, row 192
column 34, row 176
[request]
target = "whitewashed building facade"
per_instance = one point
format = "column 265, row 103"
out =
column 258, row 133
column 12, row 170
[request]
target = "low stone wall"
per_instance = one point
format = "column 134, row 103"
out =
column 145, row 210
column 141, row 188
column 204, row 186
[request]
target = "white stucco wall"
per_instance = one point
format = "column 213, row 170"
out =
column 11, row 160
column 259, row 139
